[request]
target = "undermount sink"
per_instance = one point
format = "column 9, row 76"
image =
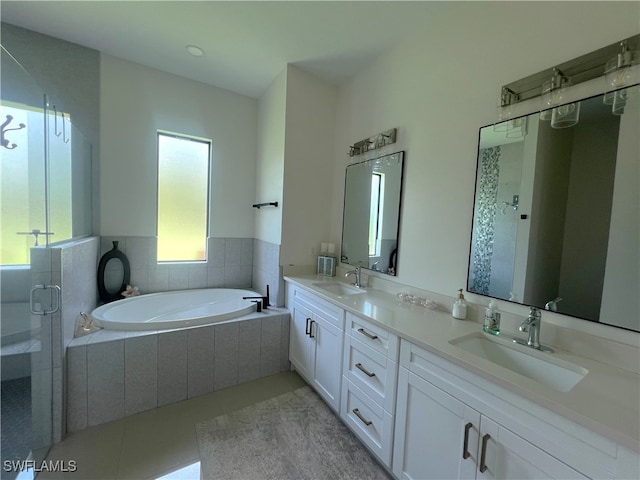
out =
column 340, row 289
column 541, row 367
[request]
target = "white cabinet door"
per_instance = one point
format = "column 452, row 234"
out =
column 300, row 343
column 327, row 361
column 503, row 454
column 436, row 435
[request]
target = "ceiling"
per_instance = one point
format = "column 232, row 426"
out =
column 246, row 44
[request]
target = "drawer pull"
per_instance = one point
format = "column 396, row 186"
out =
column 362, row 419
column 367, row 334
column 364, row 370
column 465, row 445
column 483, row 455
column 311, row 329
column 307, row 331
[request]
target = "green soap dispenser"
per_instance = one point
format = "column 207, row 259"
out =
column 492, row 319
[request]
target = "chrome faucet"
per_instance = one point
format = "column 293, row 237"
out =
column 552, row 305
column 532, row 326
column 355, row 273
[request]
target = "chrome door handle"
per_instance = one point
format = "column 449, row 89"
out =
column 367, row 334
column 306, row 328
column 362, row 419
column 56, row 291
column 364, row 370
column 465, row 445
column 483, row 455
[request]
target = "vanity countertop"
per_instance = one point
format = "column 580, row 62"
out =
column 606, row 400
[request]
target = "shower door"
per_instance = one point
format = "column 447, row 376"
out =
column 28, row 295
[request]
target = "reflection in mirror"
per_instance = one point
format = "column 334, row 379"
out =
column 557, row 213
column 373, row 190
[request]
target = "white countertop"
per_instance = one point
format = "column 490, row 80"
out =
column 606, row 400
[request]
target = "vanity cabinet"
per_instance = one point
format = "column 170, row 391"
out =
column 439, row 436
column 316, row 339
column 369, row 384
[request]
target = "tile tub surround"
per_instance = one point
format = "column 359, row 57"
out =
column 231, row 263
column 114, row 374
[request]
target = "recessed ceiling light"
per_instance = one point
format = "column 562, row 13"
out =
column 195, row 50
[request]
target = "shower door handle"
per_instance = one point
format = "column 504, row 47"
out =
column 56, row 294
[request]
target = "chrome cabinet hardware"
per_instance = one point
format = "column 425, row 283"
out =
column 311, row 335
column 307, row 331
column 483, row 456
column 465, row 445
column 364, row 370
column 367, row 334
column 362, row 419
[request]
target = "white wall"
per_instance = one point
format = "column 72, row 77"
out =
column 270, row 163
column 438, row 87
column 309, row 144
column 135, row 102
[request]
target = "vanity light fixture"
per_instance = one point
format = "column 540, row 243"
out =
column 553, row 93
column 617, row 64
column 619, row 78
column 194, row 50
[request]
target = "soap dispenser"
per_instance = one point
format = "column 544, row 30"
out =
column 492, row 319
column 460, row 307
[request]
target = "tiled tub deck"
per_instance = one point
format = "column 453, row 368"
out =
column 113, row 374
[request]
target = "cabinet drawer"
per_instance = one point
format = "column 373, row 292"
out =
column 322, row 308
column 371, row 372
column 378, row 338
column 368, row 420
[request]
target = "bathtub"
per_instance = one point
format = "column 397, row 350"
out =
column 175, row 309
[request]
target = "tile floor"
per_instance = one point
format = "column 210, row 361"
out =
column 159, row 443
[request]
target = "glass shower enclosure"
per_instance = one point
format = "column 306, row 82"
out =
column 45, row 199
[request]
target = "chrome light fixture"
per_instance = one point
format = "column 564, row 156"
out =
column 619, row 78
column 553, row 94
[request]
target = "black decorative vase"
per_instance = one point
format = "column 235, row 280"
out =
column 114, row 254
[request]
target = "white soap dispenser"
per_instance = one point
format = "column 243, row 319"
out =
column 459, row 307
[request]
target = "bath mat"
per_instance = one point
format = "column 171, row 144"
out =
column 292, row 436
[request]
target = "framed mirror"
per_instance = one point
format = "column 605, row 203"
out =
column 371, row 222
column 557, row 212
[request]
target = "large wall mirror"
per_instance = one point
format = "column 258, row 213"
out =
column 372, row 194
column 557, row 212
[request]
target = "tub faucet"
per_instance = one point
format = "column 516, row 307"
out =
column 532, row 326
column 355, row 273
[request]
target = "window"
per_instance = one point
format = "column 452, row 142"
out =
column 183, row 197
column 375, row 213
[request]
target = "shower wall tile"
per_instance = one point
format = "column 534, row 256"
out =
column 226, row 355
column 58, row 421
column 216, row 252
column 232, row 252
column 246, row 252
column 270, row 342
column 198, row 275
column 200, row 363
column 250, row 332
column 178, row 277
column 77, row 389
column 105, row 381
column 172, row 367
column 215, row 277
column 140, row 373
